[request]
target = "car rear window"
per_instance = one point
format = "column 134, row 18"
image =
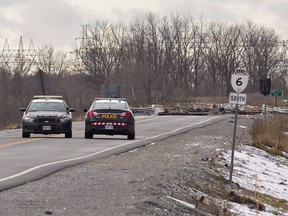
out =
column 47, row 106
column 110, row 105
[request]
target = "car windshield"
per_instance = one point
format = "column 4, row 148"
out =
column 47, row 106
column 110, row 105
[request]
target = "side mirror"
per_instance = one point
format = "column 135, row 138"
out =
column 85, row 110
column 22, row 109
column 71, row 110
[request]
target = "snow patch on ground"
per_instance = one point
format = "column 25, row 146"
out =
column 259, row 171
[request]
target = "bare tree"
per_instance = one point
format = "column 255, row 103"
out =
column 146, row 59
column 52, row 66
column 140, row 73
column 174, row 55
column 51, row 61
column 100, row 52
column 169, row 56
column 183, row 39
column 155, row 58
column 224, row 54
column 198, row 55
column 5, row 96
column 261, row 53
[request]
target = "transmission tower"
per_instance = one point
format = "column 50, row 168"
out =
column 82, row 44
column 11, row 58
column 84, row 41
column 283, row 46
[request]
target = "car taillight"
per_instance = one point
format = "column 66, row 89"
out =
column 92, row 114
column 126, row 114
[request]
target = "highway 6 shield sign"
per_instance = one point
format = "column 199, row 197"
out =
column 239, row 82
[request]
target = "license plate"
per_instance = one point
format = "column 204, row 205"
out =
column 46, row 127
column 109, row 127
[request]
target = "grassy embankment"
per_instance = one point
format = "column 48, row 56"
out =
column 270, row 135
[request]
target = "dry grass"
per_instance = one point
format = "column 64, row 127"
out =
column 78, row 117
column 13, row 126
column 270, row 135
column 273, row 201
column 257, row 99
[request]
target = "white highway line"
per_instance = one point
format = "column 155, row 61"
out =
column 99, row 152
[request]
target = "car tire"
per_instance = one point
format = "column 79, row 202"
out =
column 131, row 136
column 25, row 134
column 68, row 134
column 88, row 135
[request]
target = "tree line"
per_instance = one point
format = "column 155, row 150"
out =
column 157, row 59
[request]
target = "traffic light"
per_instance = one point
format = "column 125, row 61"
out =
column 265, row 86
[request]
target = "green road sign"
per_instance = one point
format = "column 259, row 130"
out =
column 276, row 92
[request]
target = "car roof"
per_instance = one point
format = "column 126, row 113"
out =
column 115, row 100
column 46, row 98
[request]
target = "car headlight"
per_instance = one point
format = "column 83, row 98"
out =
column 28, row 119
column 65, row 119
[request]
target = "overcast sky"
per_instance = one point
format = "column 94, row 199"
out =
column 58, row 22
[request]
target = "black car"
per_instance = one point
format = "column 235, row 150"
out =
column 110, row 116
column 47, row 115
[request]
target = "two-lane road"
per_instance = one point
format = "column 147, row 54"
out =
column 24, row 160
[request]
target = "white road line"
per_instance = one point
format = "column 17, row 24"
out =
column 97, row 153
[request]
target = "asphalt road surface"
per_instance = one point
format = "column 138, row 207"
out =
column 24, row 160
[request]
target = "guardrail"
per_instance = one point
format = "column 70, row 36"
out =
column 154, row 109
column 275, row 110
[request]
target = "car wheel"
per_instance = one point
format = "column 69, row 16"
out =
column 68, row 134
column 25, row 134
column 131, row 136
column 88, row 135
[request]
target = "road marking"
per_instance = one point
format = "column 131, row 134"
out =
column 20, row 142
column 99, row 152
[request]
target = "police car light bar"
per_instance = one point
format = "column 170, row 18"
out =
column 119, row 99
column 47, row 97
